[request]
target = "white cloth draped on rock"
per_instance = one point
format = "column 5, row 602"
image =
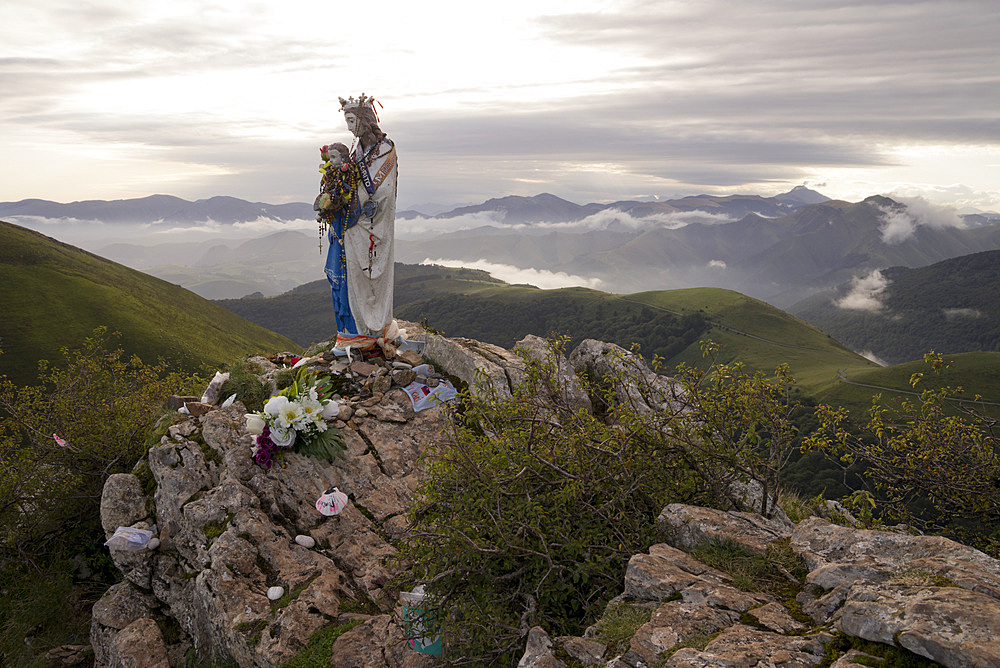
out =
column 369, row 245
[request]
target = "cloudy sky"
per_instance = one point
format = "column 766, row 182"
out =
column 589, row 100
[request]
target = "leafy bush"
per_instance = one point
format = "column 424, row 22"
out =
column 531, row 510
column 102, row 407
column 933, row 463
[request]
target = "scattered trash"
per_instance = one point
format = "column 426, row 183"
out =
column 306, row 541
column 419, row 626
column 60, row 441
column 415, row 346
column 129, row 539
column 423, row 396
column 274, row 593
column 332, row 502
column 214, row 388
column 229, row 402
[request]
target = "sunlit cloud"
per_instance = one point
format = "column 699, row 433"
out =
column 865, row 293
column 899, row 224
column 540, row 278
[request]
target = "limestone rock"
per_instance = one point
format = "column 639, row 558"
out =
column 121, row 605
column 775, row 617
column 485, row 367
column 377, row 643
column 677, row 621
column 587, row 652
column 635, row 383
column 139, row 645
column 666, row 572
column 539, row 651
column 687, row 526
column 744, row 646
column 70, row 655
column 837, row 555
column 122, row 502
column 227, row 529
column 955, row 627
column 568, row 389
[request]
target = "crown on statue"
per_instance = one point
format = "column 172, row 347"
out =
column 352, row 105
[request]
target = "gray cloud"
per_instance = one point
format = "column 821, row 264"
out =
column 715, row 95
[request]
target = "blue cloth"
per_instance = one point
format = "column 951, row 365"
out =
column 336, row 273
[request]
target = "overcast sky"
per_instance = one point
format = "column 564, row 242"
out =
column 589, row 100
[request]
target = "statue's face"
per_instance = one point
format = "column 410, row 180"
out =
column 352, row 123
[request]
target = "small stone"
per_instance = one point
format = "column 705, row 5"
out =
column 305, row 541
column 361, row 412
column 197, row 408
column 411, row 357
column 363, row 369
column 401, row 365
column 345, row 413
column 174, row 402
column 382, row 385
column 403, row 377
column 274, row 593
column 153, row 543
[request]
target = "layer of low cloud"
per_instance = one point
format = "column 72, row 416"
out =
column 422, row 226
column 865, row 293
column 898, row 225
column 547, row 280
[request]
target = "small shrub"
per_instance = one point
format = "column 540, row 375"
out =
column 245, row 384
column 316, row 653
column 619, row 623
column 778, row 572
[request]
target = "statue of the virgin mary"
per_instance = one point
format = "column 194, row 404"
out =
column 368, row 242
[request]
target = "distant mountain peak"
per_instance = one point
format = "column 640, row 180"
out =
column 801, row 196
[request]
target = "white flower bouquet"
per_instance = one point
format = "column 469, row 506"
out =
column 297, row 418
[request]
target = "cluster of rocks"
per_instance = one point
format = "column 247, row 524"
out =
column 229, row 531
column 929, row 595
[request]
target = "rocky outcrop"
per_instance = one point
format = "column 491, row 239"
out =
column 928, row 595
column 935, row 597
column 228, row 533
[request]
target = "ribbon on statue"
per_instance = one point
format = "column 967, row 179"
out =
column 372, row 184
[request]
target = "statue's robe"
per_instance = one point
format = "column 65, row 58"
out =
column 369, row 244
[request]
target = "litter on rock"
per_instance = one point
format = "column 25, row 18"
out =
column 129, row 539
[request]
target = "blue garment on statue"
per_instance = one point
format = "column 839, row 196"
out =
column 336, row 273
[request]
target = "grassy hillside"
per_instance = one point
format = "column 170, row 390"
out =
column 758, row 334
column 505, row 314
column 55, row 294
column 669, row 323
column 977, row 373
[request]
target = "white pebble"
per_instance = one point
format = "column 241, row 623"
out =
column 153, row 543
column 305, row 541
column 274, row 593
